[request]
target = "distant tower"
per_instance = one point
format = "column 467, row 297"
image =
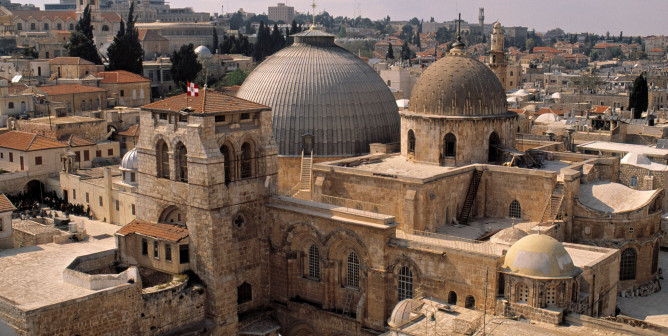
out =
column 94, row 9
column 481, row 20
column 497, row 56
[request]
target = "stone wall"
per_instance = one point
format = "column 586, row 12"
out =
column 534, row 314
column 164, row 310
column 94, row 130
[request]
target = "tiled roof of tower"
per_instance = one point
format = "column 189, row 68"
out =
column 207, row 101
column 5, row 204
column 121, row 76
column 69, row 88
column 170, row 232
column 25, row 141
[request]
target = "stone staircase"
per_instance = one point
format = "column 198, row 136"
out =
column 470, row 197
column 553, row 207
column 305, row 176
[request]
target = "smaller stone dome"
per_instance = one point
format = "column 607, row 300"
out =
column 539, row 256
column 402, row 312
column 508, row 236
column 634, row 158
column 129, row 161
column 203, row 51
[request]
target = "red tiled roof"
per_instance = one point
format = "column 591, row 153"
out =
column 41, row 15
column 170, row 232
column 5, row 204
column 110, row 16
column 546, row 50
column 69, row 61
column 150, row 35
column 25, row 141
column 599, row 109
column 216, row 102
column 656, row 50
column 68, row 88
column 131, row 131
column 75, row 141
column 121, row 76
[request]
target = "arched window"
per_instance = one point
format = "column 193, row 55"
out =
column 11, row 105
column 405, row 283
column 23, row 106
column 493, row 152
column 228, row 166
column 627, row 266
column 515, row 210
column 450, row 144
column 71, row 26
column 411, row 142
column 105, row 28
column 522, row 293
column 314, row 262
column 244, row 293
column 655, row 258
column 162, row 159
column 634, row 181
column 551, row 296
column 59, row 26
column 353, row 275
column 46, row 26
column 470, row 302
column 246, row 160
column 182, row 165
column 32, row 26
column 452, row 298
column 19, row 26
column 83, row 104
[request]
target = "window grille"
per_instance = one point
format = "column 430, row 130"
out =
column 353, row 276
column 405, row 284
column 515, row 210
column 314, row 262
column 627, row 266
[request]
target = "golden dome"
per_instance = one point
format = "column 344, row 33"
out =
column 539, row 256
column 459, row 86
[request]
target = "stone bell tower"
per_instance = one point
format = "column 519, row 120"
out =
column 497, row 56
column 208, row 163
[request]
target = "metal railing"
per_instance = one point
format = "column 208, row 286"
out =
column 448, row 241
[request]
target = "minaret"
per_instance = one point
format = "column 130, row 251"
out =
column 481, row 21
column 497, row 56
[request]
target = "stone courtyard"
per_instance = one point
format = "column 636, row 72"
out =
column 652, row 308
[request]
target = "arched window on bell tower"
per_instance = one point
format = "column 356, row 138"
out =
column 162, row 159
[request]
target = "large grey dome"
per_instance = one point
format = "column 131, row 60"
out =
column 458, row 86
column 316, row 87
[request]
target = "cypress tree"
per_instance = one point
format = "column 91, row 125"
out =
column 638, row 99
column 126, row 52
column 81, row 42
column 185, row 65
column 215, row 41
column 390, row 51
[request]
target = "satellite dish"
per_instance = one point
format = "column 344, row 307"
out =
column 16, row 78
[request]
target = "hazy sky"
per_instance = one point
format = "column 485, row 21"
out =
column 633, row 17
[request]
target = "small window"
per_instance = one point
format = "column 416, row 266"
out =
column 132, row 177
column 11, row 105
column 515, row 210
column 101, row 201
column 117, row 205
column 110, row 152
column 38, row 160
column 133, row 209
column 11, row 157
column 46, row 26
column 634, row 181
column 19, row 26
column 77, row 156
column 162, row 116
column 74, row 193
column 86, row 155
column 353, row 274
column 219, row 118
column 71, row 26
column 98, row 153
column 551, row 296
column 144, row 246
column 2, row 224
column 470, row 302
column 244, row 293
column 245, row 116
column 59, row 26
column 32, row 26
column 123, row 94
column 411, row 142
column 168, row 252
column 87, row 197
column 405, row 283
column 156, row 250
column 183, row 118
column 314, row 262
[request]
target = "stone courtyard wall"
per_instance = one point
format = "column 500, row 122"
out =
column 167, row 309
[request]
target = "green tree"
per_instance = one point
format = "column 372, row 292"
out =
column 342, row 32
column 638, row 99
column 414, row 21
column 125, row 52
column 417, row 41
column 390, row 51
column 405, row 52
column 81, row 40
column 277, row 39
column 432, row 19
column 529, row 45
column 215, row 41
column 185, row 65
column 443, row 35
column 236, row 21
column 235, row 77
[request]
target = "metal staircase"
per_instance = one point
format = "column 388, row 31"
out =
column 470, row 197
column 553, row 207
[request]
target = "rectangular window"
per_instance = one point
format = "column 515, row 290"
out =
column 122, row 93
column 2, row 155
column 162, row 116
column 168, row 252
column 2, row 224
column 184, row 254
column 110, row 152
column 118, row 205
column 38, row 160
column 245, row 116
column 87, row 198
column 133, row 209
column 100, row 199
column 183, row 118
column 98, row 153
column 77, row 156
column 144, row 246
column 86, row 155
column 156, row 250
column 74, row 193
column 11, row 157
column 220, row 118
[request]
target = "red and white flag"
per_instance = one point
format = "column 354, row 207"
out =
column 193, row 89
